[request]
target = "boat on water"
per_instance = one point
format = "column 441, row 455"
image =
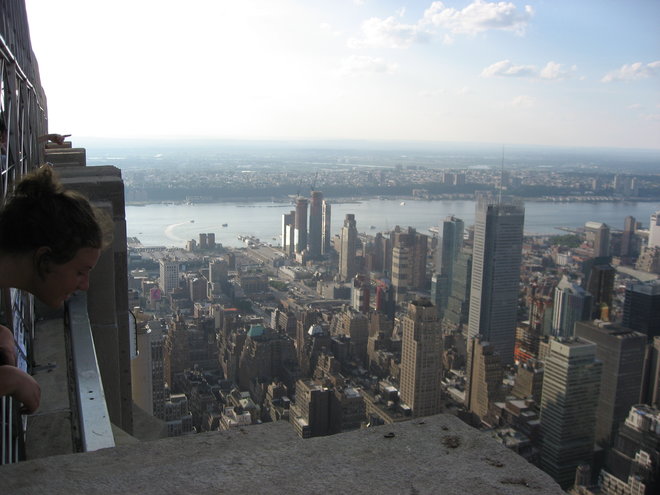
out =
column 403, row 203
column 224, row 224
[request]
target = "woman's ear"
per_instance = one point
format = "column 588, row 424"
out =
column 42, row 261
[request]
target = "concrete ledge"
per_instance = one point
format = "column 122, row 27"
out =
column 438, row 454
column 49, row 429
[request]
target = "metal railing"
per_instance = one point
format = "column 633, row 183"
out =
column 88, row 404
column 22, row 121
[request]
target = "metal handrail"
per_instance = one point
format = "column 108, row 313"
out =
column 91, row 408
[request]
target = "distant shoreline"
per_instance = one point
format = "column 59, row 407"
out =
column 261, row 199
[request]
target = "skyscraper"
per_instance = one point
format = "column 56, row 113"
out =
column 288, row 233
column 497, row 254
column 147, row 378
column 599, row 276
column 598, row 238
column 568, row 408
column 348, row 251
column 169, row 274
column 421, row 359
column 409, row 251
column 571, row 304
column 326, row 234
column 621, row 351
column 315, row 239
column 654, row 230
column 458, row 305
column 485, row 373
column 300, row 233
column 628, row 237
column 452, row 240
column 641, row 308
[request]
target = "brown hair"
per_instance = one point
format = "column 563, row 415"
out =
column 41, row 213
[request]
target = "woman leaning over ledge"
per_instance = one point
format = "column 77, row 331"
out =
column 50, row 240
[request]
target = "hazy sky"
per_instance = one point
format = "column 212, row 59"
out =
column 550, row 72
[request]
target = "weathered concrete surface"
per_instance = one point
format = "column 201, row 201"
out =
column 438, row 454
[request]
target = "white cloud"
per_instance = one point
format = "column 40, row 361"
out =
column 552, row 71
column 360, row 64
column 633, row 72
column 556, row 71
column 523, row 101
column 478, row 17
column 635, row 106
column 464, row 91
column 388, row 32
column 505, row 68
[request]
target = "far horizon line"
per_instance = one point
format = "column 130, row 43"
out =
column 338, row 143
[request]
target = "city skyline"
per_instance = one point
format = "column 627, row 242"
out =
column 457, row 71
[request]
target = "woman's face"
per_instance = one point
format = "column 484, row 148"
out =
column 60, row 281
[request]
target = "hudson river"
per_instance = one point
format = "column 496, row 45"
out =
column 174, row 224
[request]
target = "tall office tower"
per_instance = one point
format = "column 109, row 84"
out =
column 385, row 298
column 310, row 415
column 147, row 376
column 288, row 233
column 348, row 248
column 651, row 374
column 210, row 240
column 203, row 241
column 632, row 466
column 598, row 238
column 326, row 228
column 600, row 284
column 571, row 304
column 628, row 237
column 458, row 304
column 361, row 294
column 409, row 251
column 641, row 308
column 497, row 255
column 355, row 325
column 315, row 238
column 198, row 288
column 621, row 351
column 485, row 374
column 654, row 230
column 381, row 256
column 452, row 241
column 300, row 232
column 218, row 271
column 169, row 274
column 569, row 400
column 421, row 359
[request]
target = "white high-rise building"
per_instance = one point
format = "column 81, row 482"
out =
column 348, row 251
column 169, row 274
column 497, row 255
column 654, row 230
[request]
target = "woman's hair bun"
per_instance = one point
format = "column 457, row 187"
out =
column 40, row 184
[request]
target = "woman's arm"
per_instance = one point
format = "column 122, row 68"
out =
column 21, row 386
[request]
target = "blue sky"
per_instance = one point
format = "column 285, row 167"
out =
column 547, row 72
